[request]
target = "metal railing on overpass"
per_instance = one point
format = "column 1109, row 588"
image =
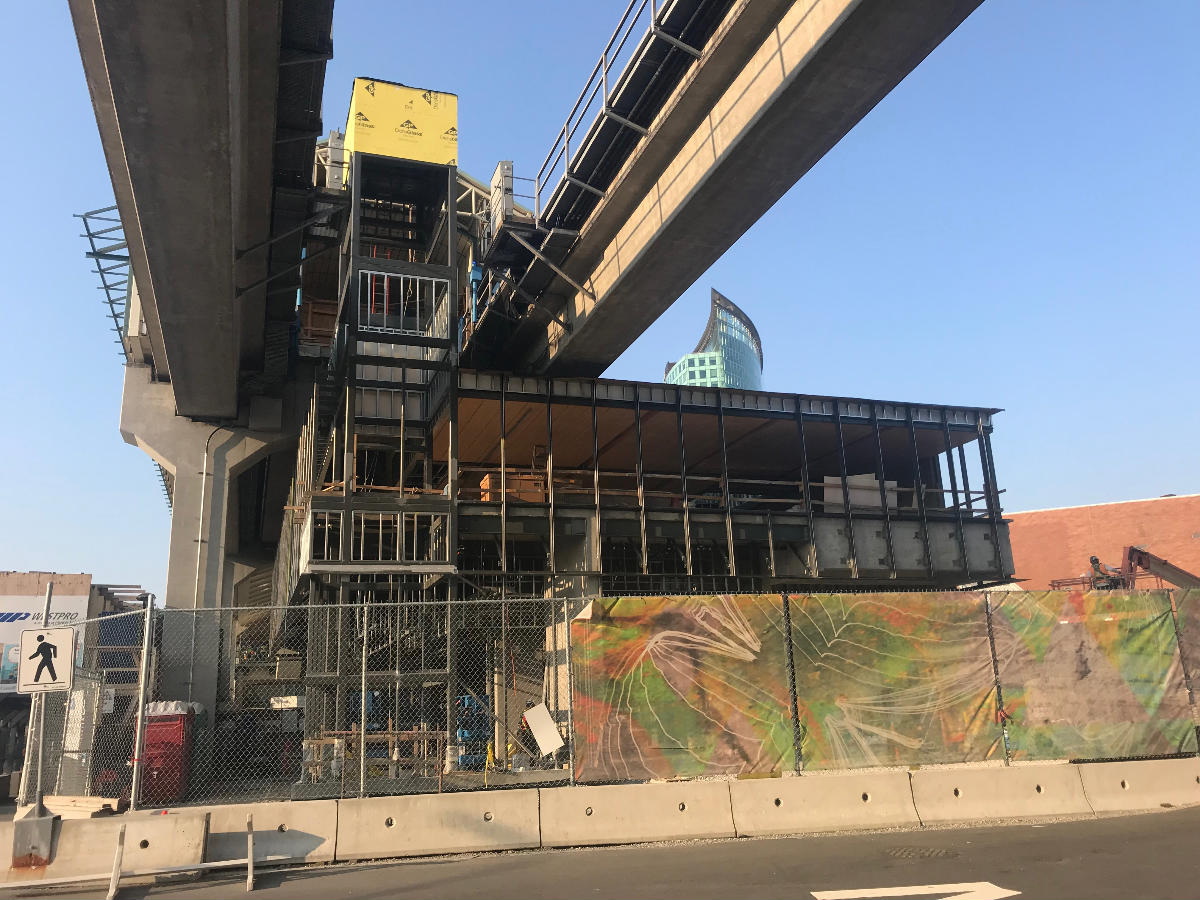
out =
column 619, row 110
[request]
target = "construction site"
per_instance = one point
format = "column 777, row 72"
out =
column 418, row 543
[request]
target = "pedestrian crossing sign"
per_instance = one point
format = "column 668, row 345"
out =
column 47, row 660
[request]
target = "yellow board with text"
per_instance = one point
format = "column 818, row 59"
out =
column 391, row 119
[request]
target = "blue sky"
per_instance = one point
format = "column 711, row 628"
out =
column 1015, row 225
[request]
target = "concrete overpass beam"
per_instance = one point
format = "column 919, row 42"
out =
column 205, row 461
column 817, row 72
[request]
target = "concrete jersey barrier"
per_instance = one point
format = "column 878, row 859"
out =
column 428, row 824
column 822, row 802
column 301, row 831
column 1141, row 784
column 87, row 846
column 998, row 792
column 635, row 813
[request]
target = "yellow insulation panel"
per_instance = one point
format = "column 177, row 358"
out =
column 390, row 119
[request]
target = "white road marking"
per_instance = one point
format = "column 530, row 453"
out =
column 967, row 890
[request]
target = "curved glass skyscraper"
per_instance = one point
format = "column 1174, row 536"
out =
column 729, row 353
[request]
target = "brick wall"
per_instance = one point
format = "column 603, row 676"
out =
column 1056, row 543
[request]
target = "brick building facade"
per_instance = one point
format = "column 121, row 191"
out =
column 1056, row 543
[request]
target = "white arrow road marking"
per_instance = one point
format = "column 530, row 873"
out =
column 967, row 890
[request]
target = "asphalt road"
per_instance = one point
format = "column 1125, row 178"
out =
column 1153, row 855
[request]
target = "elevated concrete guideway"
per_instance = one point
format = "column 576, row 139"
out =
column 777, row 86
column 208, row 113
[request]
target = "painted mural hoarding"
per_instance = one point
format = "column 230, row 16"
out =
column 699, row 685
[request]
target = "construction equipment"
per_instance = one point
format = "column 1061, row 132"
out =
column 1136, row 562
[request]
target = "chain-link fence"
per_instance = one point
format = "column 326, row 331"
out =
column 87, row 733
column 381, row 698
column 345, row 700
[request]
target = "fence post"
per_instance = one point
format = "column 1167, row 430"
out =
column 362, row 706
column 139, row 739
column 797, row 734
column 570, row 695
column 1000, row 713
column 38, row 808
column 1183, row 663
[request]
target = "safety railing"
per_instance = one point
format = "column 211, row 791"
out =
column 640, row 17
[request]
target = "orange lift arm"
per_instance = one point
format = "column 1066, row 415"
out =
column 1137, row 558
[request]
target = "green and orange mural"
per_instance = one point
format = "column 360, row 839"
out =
column 894, row 679
column 690, row 686
column 680, row 686
column 1091, row 675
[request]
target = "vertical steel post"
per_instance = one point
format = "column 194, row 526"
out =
column 503, row 484
column 139, row 742
column 806, row 488
column 959, row 534
column 687, row 526
column 797, row 733
column 362, row 707
column 992, row 493
column 919, row 488
column 38, row 809
column 851, row 547
column 881, row 478
column 641, row 473
column 597, row 542
column 553, row 567
column 731, row 562
column 962, row 466
column 1000, row 713
column 570, row 695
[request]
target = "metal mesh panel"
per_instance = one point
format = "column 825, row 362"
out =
column 1091, row 675
column 88, row 731
column 355, row 699
column 350, row 699
column 681, row 686
column 894, row 679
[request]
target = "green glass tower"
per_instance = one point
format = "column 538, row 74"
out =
column 729, row 353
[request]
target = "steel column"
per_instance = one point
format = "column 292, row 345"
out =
column 797, row 731
column 687, row 528
column 881, row 477
column 919, row 488
column 847, row 515
column 139, row 739
column 806, row 488
column 550, row 478
column 731, row 563
column 641, row 490
column 960, row 535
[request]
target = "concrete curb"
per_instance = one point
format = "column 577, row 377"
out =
column 822, row 802
column 85, row 846
column 432, row 824
column 1141, row 784
column 1001, row 792
column 635, row 813
column 435, row 824
column 304, row 832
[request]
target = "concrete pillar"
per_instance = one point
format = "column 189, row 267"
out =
column 205, row 459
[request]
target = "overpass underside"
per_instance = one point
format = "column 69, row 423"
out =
column 681, row 155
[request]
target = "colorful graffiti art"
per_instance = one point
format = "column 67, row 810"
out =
column 680, row 686
column 1091, row 675
column 894, row 679
column 1187, row 605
